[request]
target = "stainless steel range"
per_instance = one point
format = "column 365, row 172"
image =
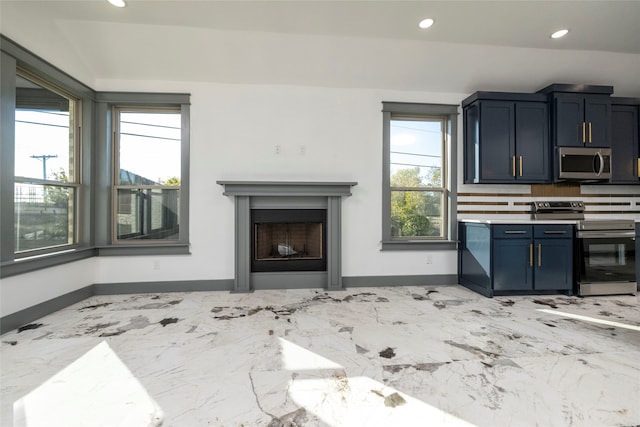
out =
column 605, row 260
column 604, row 250
column 557, row 210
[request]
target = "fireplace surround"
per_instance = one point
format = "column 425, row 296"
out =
column 317, row 214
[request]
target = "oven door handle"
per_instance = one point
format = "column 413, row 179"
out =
column 605, row 234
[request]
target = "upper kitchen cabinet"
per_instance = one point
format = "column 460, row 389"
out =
column 625, row 142
column 506, row 138
column 580, row 115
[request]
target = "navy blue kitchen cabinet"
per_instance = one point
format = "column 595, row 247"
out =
column 625, row 141
column 580, row 115
column 638, row 255
column 553, row 257
column 511, row 267
column 506, row 138
column 515, row 258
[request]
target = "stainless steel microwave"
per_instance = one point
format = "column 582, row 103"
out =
column 584, row 163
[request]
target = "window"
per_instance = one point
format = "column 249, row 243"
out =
column 45, row 166
column 142, row 169
column 147, row 174
column 418, row 201
column 64, row 196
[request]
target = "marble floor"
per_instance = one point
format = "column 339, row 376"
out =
column 397, row 356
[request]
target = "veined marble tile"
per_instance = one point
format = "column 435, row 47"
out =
column 401, row 356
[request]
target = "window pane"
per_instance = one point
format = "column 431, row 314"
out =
column 148, row 214
column 416, row 153
column 149, row 148
column 43, row 216
column 43, row 133
column 416, row 213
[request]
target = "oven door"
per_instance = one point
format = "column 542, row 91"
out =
column 606, row 258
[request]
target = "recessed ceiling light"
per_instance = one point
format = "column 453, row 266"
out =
column 559, row 33
column 426, row 23
column 117, row 3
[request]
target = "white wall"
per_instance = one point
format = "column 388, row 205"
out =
column 234, row 131
column 25, row 290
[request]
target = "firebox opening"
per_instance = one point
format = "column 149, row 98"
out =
column 288, row 240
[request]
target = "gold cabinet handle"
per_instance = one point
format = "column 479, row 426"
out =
column 539, row 255
column 513, row 165
column 520, row 165
column 531, row 255
column 584, row 132
column 590, row 140
column 638, row 167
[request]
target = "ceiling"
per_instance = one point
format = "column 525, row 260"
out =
column 594, row 25
column 335, row 43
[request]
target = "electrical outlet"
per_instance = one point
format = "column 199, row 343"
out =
column 429, row 259
column 303, row 150
column 156, row 265
column 278, row 149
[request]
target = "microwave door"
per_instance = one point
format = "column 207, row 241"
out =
column 577, row 166
column 584, row 163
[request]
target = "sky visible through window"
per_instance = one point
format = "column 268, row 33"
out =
column 42, row 139
column 417, row 144
column 150, row 145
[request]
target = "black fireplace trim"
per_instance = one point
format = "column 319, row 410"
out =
column 272, row 216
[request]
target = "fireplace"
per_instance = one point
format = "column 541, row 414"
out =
column 287, row 234
column 288, row 240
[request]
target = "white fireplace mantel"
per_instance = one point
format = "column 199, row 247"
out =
column 250, row 195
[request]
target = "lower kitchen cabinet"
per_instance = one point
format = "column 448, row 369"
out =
column 515, row 258
column 638, row 255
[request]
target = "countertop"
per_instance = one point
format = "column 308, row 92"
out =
column 530, row 221
column 521, row 221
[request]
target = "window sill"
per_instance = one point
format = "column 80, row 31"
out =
column 26, row 265
column 156, row 249
column 418, row 245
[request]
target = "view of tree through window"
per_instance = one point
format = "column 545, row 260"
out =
column 148, row 174
column 416, row 181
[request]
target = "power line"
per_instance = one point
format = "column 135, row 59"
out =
column 422, row 130
column 149, row 136
column 42, row 124
column 418, row 166
column 149, row 124
column 415, row 154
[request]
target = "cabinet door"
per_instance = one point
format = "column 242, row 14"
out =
column 597, row 115
column 638, row 255
column 553, row 260
column 568, row 121
column 471, row 140
column 624, row 144
column 496, row 142
column 532, row 142
column 512, row 259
